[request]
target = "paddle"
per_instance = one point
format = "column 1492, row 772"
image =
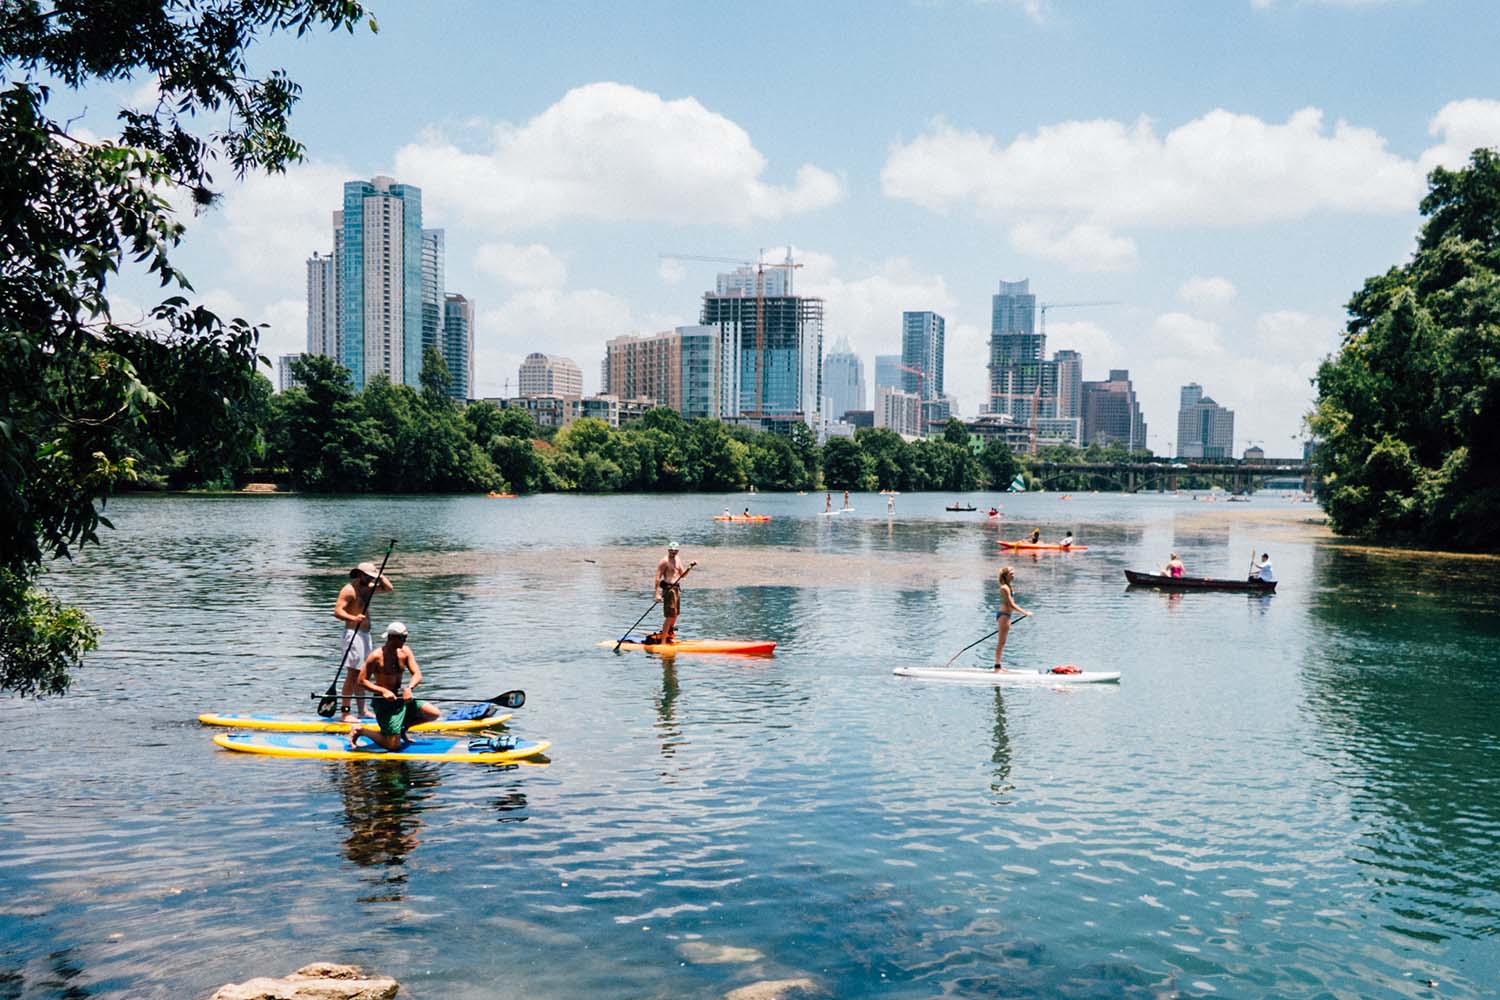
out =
column 330, row 702
column 977, row 642
column 648, row 611
column 510, row 699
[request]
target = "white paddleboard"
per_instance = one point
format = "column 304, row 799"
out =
column 1035, row 677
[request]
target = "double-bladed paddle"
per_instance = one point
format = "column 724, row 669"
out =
column 978, row 641
column 330, row 699
column 647, row 612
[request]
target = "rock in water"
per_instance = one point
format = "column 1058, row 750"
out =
column 775, row 989
column 318, row 981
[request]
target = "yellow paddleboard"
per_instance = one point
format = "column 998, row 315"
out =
column 317, row 724
column 316, row 746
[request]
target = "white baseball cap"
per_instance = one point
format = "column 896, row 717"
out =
column 395, row 628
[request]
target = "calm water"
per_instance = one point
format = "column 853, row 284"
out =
column 1293, row 796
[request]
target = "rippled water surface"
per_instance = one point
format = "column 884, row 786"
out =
column 1290, row 796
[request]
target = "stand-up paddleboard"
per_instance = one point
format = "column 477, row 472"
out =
column 315, row 746
column 1042, row 677
column 741, row 646
column 318, row 724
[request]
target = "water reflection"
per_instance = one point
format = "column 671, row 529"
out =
column 1000, row 739
column 666, row 720
column 383, row 803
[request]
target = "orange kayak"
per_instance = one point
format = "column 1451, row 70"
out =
column 741, row 646
column 1046, row 546
column 742, row 517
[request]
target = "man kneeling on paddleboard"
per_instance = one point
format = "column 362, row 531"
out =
column 396, row 712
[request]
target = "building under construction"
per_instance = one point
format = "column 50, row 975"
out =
column 770, row 346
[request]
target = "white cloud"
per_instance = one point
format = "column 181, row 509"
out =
column 533, row 265
column 1299, row 335
column 615, row 152
column 1179, row 335
column 1083, row 247
column 1100, row 350
column 1207, row 292
column 1463, row 127
column 671, row 272
column 270, row 224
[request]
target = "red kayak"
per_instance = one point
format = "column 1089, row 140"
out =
column 752, row 647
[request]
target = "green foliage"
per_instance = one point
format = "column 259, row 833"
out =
column 1406, row 410
column 845, row 465
column 999, row 464
column 954, row 432
column 87, row 395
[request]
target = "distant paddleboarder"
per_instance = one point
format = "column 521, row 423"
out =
column 364, row 580
column 1008, row 606
column 396, row 709
column 828, row 503
column 846, row 499
column 668, row 589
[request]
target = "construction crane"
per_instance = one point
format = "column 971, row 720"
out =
column 760, row 266
column 1069, row 305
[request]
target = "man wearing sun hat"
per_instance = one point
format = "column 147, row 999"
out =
column 353, row 600
column 669, row 574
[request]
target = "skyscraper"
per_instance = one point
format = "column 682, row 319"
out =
column 1111, row 414
column 322, row 307
column 888, row 370
column 843, row 380
column 770, row 348
column 676, row 368
column 378, row 248
column 1069, row 365
column 434, row 291
column 922, row 354
column 1017, row 353
column 1204, row 428
column 458, row 345
column 550, row 375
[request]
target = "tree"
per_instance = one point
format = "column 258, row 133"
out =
column 82, row 390
column 999, row 464
column 954, row 432
column 1406, row 410
column 845, row 465
column 890, row 457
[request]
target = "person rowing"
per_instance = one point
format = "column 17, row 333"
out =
column 1174, row 567
column 668, row 590
column 1036, row 536
column 1067, row 541
column 1263, row 571
column 1008, row 606
column 396, row 709
column 747, row 511
column 350, row 608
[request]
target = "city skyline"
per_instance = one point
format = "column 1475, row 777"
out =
column 1230, row 196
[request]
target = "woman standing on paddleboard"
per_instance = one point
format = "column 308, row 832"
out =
column 1008, row 606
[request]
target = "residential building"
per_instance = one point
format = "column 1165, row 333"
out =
column 752, row 281
column 458, row 344
column 677, row 368
column 770, row 350
column 284, row 378
column 1111, row 413
column 899, row 410
column 859, row 418
column 888, row 371
column 434, row 291
column 935, row 414
column 546, row 410
column 550, row 375
column 922, row 354
column 322, row 307
column 378, row 266
column 611, row 409
column 1017, row 353
column 1204, row 428
column 1069, row 381
column 843, row 380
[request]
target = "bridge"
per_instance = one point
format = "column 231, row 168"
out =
column 1230, row 474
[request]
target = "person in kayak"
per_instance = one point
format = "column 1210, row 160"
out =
column 349, row 608
column 747, row 511
column 1008, row 606
column 1036, row 536
column 396, row 710
column 726, row 512
column 668, row 589
column 1067, row 541
column 1174, row 567
column 1263, row 571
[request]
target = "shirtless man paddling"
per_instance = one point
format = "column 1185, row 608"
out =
column 395, row 708
column 349, row 608
column 668, row 589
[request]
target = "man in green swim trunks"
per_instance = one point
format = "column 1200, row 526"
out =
column 395, row 708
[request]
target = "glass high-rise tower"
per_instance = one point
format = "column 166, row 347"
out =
column 843, row 380
column 1017, row 352
column 378, row 251
column 457, row 345
column 922, row 354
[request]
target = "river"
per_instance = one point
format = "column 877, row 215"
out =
column 1294, row 795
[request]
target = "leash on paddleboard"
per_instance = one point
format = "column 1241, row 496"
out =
column 648, row 611
column 977, row 642
column 329, row 702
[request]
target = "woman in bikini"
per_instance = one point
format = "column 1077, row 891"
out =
column 1008, row 606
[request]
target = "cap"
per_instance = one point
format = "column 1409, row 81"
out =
column 673, row 546
column 395, row 628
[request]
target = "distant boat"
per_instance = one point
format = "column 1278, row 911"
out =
column 1018, row 484
column 1197, row 583
column 956, row 507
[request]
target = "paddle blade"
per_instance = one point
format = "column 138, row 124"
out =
column 328, row 704
column 511, row 699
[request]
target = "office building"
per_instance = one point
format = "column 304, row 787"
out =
column 378, row 264
column 284, row 378
column 458, row 344
column 899, row 410
column 434, row 291
column 888, row 371
column 1069, row 382
column 549, row 375
column 770, row 349
column 322, row 307
column 922, row 354
column 1017, row 352
column 678, row 368
column 1204, row 428
column 1111, row 413
column 843, row 380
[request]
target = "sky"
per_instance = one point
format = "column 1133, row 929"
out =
column 1225, row 173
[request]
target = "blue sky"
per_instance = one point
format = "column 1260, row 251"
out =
column 1229, row 171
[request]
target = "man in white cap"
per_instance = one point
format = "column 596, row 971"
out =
column 669, row 574
column 395, row 708
column 353, row 601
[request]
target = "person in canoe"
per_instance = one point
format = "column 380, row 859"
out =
column 349, row 608
column 1008, row 606
column 1036, row 536
column 1263, row 571
column 1174, row 567
column 1067, row 541
column 668, row 589
column 396, row 709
